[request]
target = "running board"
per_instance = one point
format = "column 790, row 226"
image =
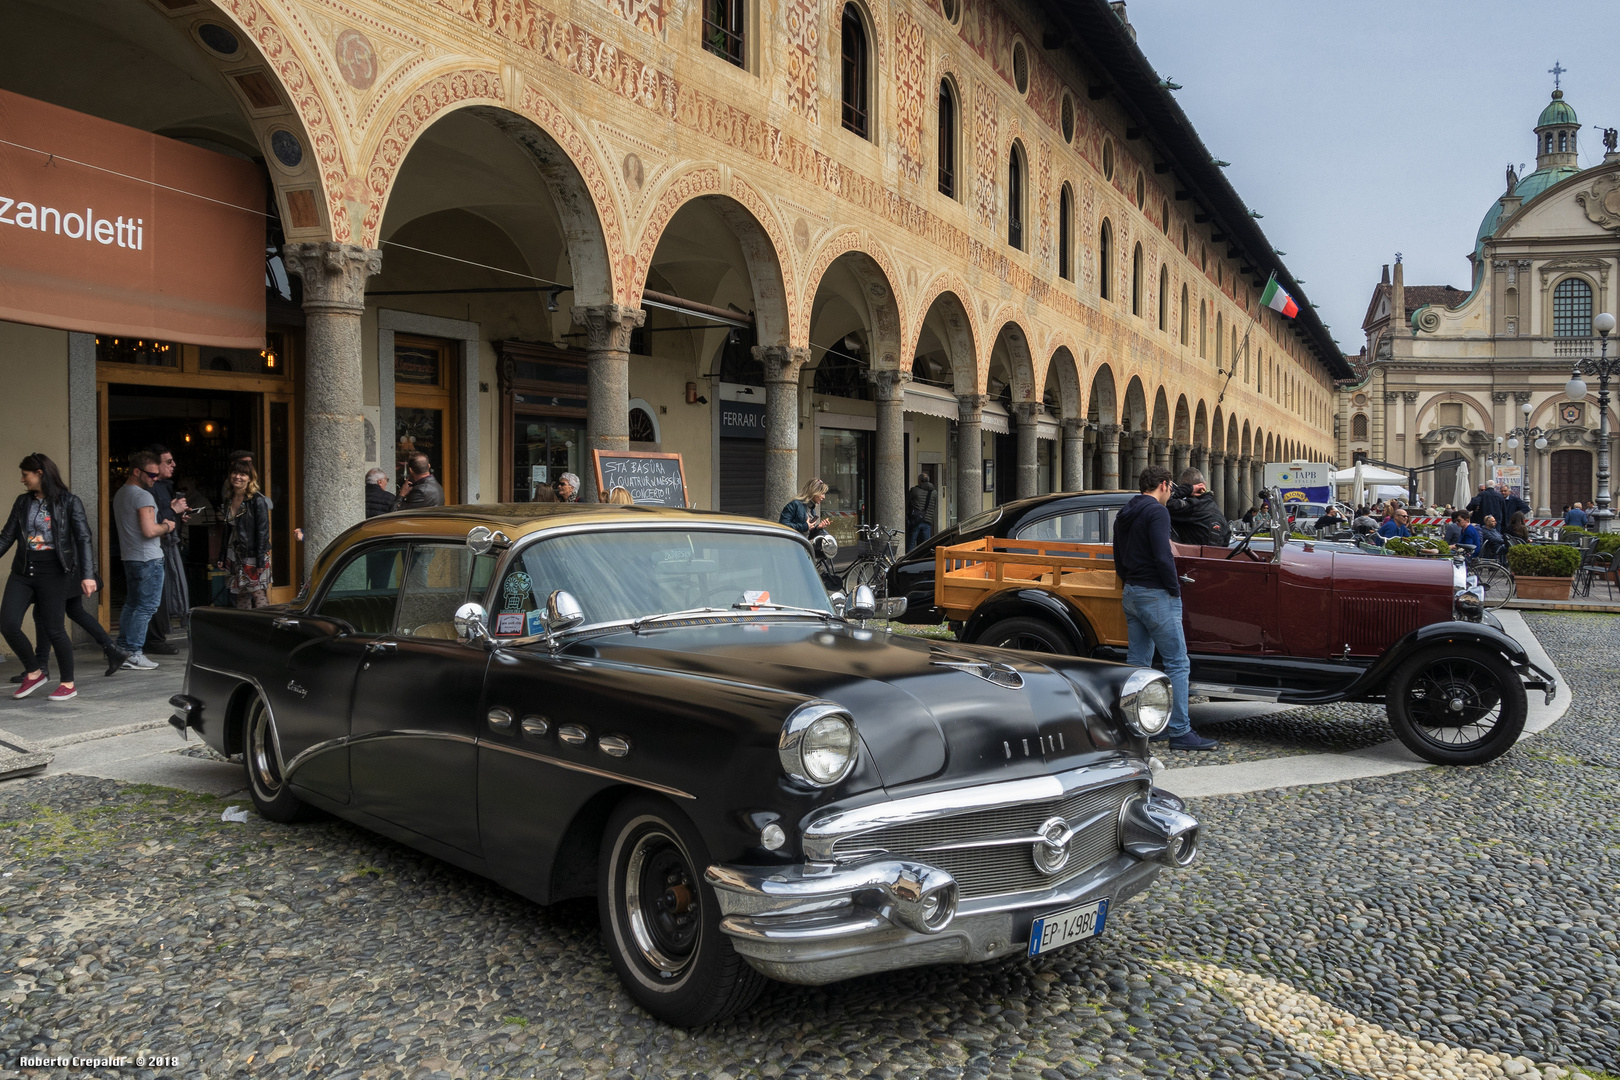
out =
column 1240, row 693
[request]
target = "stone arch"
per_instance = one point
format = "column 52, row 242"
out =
column 875, row 271
column 752, row 223
column 1181, row 429
column 1232, row 443
column 1200, row 428
column 1161, row 415
column 1455, row 396
column 1102, row 407
column 1062, row 369
column 1245, row 445
column 1267, row 444
column 1136, row 410
column 957, row 333
column 1012, row 335
column 602, row 269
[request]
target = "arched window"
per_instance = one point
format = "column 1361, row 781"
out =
column 1186, row 317
column 1136, row 280
column 1164, row 298
column 1105, row 260
column 1065, row 216
column 1203, row 331
column 1234, row 350
column 1563, row 141
column 1572, row 308
column 1015, row 197
column 857, row 84
column 1218, row 336
column 1549, row 142
column 947, row 139
column 1358, row 427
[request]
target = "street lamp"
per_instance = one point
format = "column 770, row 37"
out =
column 1529, row 433
column 1603, row 367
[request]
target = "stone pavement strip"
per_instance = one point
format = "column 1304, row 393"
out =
column 1432, row 923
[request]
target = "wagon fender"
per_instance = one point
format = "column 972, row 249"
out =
column 1033, row 604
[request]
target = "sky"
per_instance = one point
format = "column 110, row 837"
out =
column 1361, row 129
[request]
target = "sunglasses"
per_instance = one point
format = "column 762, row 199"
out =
column 154, row 475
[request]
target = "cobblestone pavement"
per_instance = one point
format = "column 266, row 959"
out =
column 1444, row 923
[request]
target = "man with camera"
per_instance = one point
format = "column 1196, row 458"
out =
column 1194, row 516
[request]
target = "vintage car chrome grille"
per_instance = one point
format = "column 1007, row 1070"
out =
column 982, row 869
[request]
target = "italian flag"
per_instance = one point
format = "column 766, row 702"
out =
column 1277, row 299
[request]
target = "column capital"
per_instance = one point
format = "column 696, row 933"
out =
column 890, row 383
column 1499, row 397
column 1216, row 457
column 1160, row 442
column 607, row 326
column 970, row 407
column 1409, row 396
column 1181, row 447
column 1391, row 397
column 1109, row 431
column 1139, row 438
column 782, row 362
column 1026, row 411
column 1072, row 427
column 1246, row 460
column 1521, row 396
column 334, row 274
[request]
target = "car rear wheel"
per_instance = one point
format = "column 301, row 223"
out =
column 1456, row 707
column 268, row 789
column 1031, row 635
column 661, row 920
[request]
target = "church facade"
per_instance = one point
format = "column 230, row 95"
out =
column 783, row 238
column 1477, row 378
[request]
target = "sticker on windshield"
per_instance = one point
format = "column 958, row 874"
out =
column 536, row 622
column 755, row 597
column 509, row 624
column 516, row 592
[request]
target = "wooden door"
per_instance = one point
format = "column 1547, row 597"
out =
column 1571, row 479
column 425, row 405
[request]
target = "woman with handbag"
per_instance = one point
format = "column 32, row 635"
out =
column 247, row 543
column 54, row 566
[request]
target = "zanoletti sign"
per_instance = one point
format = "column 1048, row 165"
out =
column 1300, row 483
column 109, row 229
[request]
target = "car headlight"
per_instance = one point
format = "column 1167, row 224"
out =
column 818, row 744
column 1145, row 701
column 1468, row 607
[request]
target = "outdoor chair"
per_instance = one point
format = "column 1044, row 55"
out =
column 1594, row 565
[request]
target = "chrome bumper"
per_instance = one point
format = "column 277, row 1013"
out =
column 821, row 922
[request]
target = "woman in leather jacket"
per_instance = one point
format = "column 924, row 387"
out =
column 53, row 569
column 247, row 547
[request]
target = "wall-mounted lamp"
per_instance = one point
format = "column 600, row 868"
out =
column 693, row 397
column 554, row 292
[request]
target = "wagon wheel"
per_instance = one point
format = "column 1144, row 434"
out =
column 1456, row 707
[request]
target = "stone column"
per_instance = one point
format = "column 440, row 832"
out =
column 1093, row 466
column 1139, row 456
column 1245, row 483
column 1409, row 453
column 970, row 454
column 889, row 500
column 1180, row 457
column 1161, row 453
column 1074, row 448
column 1233, row 492
column 607, row 382
column 782, row 366
column 334, row 277
column 1257, row 476
column 1215, row 477
column 1108, row 443
column 1029, row 469
column 1199, row 460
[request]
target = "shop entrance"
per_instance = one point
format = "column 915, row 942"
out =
column 425, row 409
column 1571, row 479
column 543, row 421
column 201, row 428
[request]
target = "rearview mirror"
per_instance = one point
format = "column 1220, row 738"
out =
column 471, row 627
column 840, row 601
column 865, row 603
column 563, row 611
column 892, row 607
column 480, row 539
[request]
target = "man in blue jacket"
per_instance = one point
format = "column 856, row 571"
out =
column 1152, row 600
column 1395, row 526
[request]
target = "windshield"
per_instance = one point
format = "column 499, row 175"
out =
column 618, row 576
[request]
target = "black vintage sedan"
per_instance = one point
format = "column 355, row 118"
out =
column 665, row 710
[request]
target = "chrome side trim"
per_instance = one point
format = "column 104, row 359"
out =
column 1241, row 693
column 589, row 770
column 824, row 832
column 275, row 735
column 373, row 736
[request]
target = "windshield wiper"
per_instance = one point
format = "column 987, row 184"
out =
column 744, row 605
column 637, row 624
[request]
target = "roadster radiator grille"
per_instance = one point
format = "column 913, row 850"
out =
column 995, row 870
column 1370, row 624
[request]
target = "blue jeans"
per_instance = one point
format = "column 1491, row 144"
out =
column 143, row 592
column 919, row 534
column 1153, row 619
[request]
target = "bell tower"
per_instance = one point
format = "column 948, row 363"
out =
column 1557, row 128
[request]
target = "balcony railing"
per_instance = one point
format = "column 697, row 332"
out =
column 1573, row 346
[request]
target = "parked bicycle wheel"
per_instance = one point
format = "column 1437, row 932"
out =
column 866, row 572
column 1497, row 580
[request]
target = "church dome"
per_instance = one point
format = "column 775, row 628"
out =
column 1558, row 111
column 1527, row 189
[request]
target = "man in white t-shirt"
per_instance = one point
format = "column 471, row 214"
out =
column 140, row 546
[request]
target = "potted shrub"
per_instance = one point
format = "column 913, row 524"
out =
column 1543, row 571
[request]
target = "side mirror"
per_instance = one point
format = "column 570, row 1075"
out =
column 479, row 540
column 471, row 627
column 893, row 607
column 865, row 603
column 840, row 601
column 563, row 612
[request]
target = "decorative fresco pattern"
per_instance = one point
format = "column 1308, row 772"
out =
column 803, row 24
column 645, row 15
column 910, row 93
column 989, row 33
column 986, row 155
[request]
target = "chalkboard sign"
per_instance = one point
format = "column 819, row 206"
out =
column 651, row 479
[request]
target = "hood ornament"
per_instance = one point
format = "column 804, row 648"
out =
column 996, row 674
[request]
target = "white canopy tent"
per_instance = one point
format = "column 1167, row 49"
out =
column 1384, row 482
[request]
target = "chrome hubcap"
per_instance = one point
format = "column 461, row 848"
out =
column 662, row 903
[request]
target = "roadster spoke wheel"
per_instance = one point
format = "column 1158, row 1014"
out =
column 1456, row 707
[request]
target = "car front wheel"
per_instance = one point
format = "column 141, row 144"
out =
column 661, row 920
column 1456, row 707
column 268, row 789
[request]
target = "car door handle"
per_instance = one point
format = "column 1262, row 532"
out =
column 283, row 623
column 382, row 647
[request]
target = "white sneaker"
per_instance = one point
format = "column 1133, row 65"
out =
column 139, row 662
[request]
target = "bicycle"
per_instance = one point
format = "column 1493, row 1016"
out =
column 875, row 555
column 1494, row 579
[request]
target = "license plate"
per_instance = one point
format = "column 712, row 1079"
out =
column 1066, row 927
